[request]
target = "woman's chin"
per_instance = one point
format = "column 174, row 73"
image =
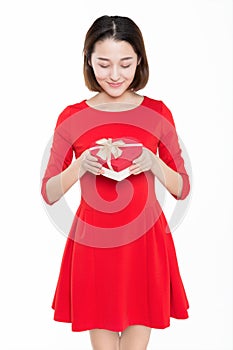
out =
column 115, row 93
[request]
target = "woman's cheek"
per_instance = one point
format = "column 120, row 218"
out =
column 129, row 73
column 100, row 74
column 100, row 77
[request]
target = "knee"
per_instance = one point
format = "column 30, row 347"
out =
column 104, row 340
column 106, row 346
column 135, row 338
column 132, row 347
column 116, row 346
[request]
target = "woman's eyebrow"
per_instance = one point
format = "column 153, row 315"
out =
column 102, row 59
column 126, row 58
column 107, row 59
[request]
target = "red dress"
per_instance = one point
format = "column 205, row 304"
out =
column 119, row 266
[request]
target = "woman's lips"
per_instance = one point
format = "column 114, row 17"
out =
column 115, row 85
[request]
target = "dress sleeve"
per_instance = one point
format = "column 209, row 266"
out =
column 61, row 152
column 170, row 152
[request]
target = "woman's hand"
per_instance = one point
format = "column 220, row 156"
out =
column 144, row 162
column 171, row 179
column 87, row 162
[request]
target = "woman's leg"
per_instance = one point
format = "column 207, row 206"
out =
column 103, row 339
column 135, row 338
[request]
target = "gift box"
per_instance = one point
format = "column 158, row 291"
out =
column 116, row 156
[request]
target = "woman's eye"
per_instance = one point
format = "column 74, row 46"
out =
column 102, row 66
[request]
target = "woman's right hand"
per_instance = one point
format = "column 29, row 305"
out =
column 87, row 162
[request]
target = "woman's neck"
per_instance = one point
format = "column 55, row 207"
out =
column 103, row 101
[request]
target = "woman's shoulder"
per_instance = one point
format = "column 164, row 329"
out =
column 158, row 106
column 70, row 110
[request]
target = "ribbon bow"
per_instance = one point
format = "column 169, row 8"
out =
column 107, row 148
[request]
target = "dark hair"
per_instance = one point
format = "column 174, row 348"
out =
column 119, row 28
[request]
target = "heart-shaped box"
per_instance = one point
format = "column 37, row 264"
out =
column 116, row 156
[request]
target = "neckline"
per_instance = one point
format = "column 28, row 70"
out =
column 122, row 111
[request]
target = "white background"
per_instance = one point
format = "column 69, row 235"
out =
column 189, row 47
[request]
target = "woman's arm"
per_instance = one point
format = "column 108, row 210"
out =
column 59, row 184
column 171, row 179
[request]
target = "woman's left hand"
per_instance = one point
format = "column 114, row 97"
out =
column 143, row 163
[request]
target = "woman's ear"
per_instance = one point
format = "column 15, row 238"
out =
column 88, row 58
column 139, row 61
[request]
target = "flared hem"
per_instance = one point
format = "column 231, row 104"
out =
column 120, row 328
column 149, row 293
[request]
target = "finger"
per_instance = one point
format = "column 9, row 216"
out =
column 139, row 159
column 87, row 155
column 136, row 172
column 145, row 165
column 140, row 165
column 135, row 169
column 142, row 156
column 94, row 170
column 91, row 157
column 93, row 164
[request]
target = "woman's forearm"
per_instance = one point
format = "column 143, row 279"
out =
column 171, row 179
column 59, row 184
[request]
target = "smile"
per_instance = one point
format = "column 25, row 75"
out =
column 115, row 85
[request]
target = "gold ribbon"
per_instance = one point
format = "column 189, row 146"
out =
column 107, row 147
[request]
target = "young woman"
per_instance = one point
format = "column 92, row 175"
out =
column 119, row 275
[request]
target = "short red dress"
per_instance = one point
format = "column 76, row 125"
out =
column 119, row 266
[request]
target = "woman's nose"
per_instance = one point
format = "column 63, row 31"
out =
column 114, row 74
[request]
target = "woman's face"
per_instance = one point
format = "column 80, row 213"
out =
column 114, row 64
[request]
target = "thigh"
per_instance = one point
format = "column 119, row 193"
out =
column 135, row 337
column 103, row 339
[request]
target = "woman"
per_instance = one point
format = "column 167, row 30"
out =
column 119, row 272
